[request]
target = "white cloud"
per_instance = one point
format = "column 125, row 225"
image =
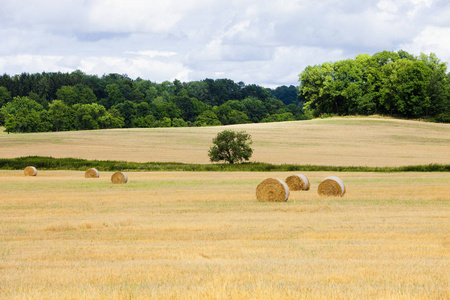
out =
column 152, row 53
column 13, row 64
column 263, row 42
column 137, row 16
column 431, row 39
column 136, row 66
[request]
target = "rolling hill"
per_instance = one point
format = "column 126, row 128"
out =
column 368, row 141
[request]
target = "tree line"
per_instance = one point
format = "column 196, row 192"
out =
column 76, row 101
column 388, row 83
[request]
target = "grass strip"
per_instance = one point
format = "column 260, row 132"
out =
column 50, row 163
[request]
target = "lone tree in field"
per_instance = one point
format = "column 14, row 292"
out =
column 231, row 146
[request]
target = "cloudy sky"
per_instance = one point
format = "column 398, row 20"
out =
column 266, row 42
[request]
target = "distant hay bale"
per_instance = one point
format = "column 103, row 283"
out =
column 298, row 182
column 119, row 177
column 91, row 173
column 331, row 186
column 272, row 190
column 30, row 171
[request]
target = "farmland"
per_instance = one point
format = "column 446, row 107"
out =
column 337, row 142
column 189, row 235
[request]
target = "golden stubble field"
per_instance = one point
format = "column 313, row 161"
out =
column 336, row 141
column 197, row 235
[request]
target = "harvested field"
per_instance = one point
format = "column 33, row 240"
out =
column 336, row 141
column 189, row 235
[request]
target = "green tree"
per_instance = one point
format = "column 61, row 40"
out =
column 85, row 94
column 68, row 94
column 164, row 122
column 108, row 120
column 286, row 94
column 397, row 84
column 231, row 146
column 207, row 118
column 142, row 109
column 22, row 115
column 95, row 116
column 272, row 105
column 227, row 115
column 295, row 110
column 127, row 112
column 438, row 87
column 61, row 116
column 45, row 123
column 287, row 116
column 405, row 88
column 114, row 95
column 186, row 105
column 198, row 90
column 160, row 108
column 178, row 122
column 238, row 117
column 40, row 100
column 144, row 122
column 255, row 109
column 150, row 94
column 5, row 96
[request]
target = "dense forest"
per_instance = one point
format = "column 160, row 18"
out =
column 387, row 83
column 396, row 84
column 76, row 101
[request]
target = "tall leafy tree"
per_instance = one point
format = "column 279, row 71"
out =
column 187, row 106
column 85, row 94
column 5, row 96
column 22, row 115
column 114, row 95
column 128, row 112
column 394, row 83
column 61, row 116
column 207, row 118
column 289, row 95
column 231, row 146
column 95, row 116
column 68, row 94
column 255, row 109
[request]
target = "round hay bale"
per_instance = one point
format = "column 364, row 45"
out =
column 272, row 190
column 119, row 177
column 331, row 186
column 91, row 173
column 298, row 182
column 30, row 171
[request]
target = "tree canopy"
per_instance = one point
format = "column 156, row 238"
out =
column 76, row 101
column 388, row 83
column 231, row 146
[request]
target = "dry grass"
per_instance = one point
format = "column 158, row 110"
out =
column 186, row 235
column 336, row 141
column 203, row 235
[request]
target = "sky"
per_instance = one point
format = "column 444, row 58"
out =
column 264, row 42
